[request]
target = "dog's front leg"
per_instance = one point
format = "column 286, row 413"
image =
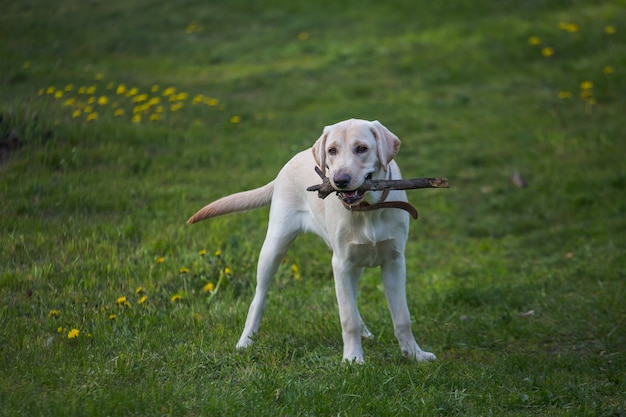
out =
column 394, row 282
column 346, row 278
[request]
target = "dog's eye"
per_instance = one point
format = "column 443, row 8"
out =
column 332, row 151
column 361, row 149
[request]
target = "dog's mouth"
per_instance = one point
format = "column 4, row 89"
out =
column 354, row 197
column 351, row 198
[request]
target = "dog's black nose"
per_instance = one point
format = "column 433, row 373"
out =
column 342, row 180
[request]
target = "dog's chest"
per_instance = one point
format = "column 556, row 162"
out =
column 372, row 228
column 370, row 255
column 370, row 243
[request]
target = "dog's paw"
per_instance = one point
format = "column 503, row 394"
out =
column 244, row 342
column 422, row 356
column 415, row 353
column 354, row 360
column 365, row 332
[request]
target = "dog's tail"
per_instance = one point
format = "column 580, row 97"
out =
column 245, row 200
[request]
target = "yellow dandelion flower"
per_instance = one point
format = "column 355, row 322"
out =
column 112, row 317
column 183, row 270
column 198, row 99
column 91, row 100
column 91, row 89
column 54, row 313
column 68, row 88
column 154, row 88
column 169, row 91
column 99, row 76
column 119, row 112
column 141, row 98
column 58, row 94
column 193, row 27
column 534, row 40
column 103, row 100
column 227, row 271
column 120, row 300
column 182, row 96
column 176, row 298
column 211, row 102
column 132, row 92
column 209, row 287
column 73, row 334
column 82, row 90
column 608, row 70
column 610, row 30
column 202, row 252
column 70, row 102
column 121, row 89
column 303, row 36
column 92, row 116
column 60, row 329
column 547, row 51
column 586, row 85
column 76, row 113
column 564, row 95
column 88, row 109
column 155, row 117
column 50, row 90
column 139, row 290
column 585, row 94
column 159, row 109
column 154, row 101
column 41, row 92
column 176, row 106
column 295, row 271
column 142, row 300
column 568, row 27
column 160, row 259
column 136, row 118
column 235, row 119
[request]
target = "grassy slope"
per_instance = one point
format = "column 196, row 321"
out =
column 86, row 208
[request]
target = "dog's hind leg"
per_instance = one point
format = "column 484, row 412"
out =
column 277, row 241
column 394, row 282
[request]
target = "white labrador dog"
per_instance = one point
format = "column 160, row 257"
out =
column 348, row 152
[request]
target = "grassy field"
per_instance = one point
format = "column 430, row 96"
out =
column 121, row 118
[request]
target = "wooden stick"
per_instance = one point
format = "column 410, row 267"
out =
column 326, row 188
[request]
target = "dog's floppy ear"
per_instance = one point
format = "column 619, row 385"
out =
column 387, row 144
column 319, row 150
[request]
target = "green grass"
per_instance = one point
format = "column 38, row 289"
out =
column 519, row 291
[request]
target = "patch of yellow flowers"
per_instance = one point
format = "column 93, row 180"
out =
column 586, row 86
column 91, row 102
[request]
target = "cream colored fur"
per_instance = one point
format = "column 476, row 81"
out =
column 348, row 152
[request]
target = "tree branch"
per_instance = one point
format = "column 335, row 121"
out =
column 325, row 188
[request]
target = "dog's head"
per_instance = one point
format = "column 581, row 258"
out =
column 353, row 151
